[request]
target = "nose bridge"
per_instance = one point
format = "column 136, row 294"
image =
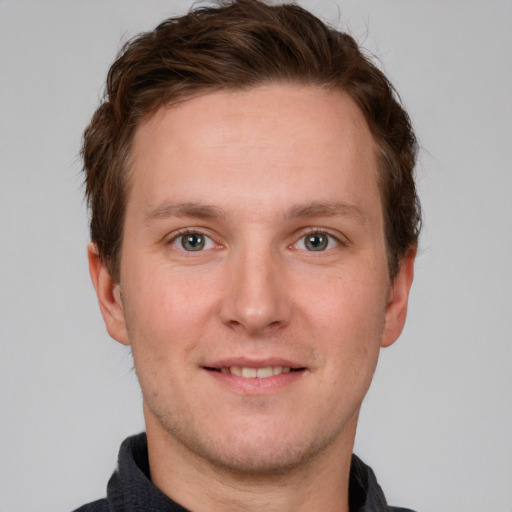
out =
column 255, row 297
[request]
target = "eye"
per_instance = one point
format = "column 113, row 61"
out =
column 317, row 241
column 193, row 242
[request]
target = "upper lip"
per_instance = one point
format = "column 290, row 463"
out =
column 252, row 363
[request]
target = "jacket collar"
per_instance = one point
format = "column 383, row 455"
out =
column 130, row 488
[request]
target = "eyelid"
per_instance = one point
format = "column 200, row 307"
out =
column 337, row 237
column 173, row 237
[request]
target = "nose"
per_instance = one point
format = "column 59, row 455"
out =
column 256, row 298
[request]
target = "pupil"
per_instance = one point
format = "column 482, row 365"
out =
column 316, row 242
column 193, row 242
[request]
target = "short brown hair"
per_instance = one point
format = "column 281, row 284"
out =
column 236, row 46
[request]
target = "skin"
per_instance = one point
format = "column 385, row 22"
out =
column 255, row 173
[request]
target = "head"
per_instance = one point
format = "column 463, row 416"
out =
column 238, row 46
column 254, row 221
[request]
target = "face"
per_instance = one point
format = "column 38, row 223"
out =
column 254, row 285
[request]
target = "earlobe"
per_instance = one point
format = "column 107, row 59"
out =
column 108, row 293
column 396, row 308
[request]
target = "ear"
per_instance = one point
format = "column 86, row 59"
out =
column 396, row 308
column 109, row 296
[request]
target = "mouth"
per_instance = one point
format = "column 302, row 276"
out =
column 254, row 373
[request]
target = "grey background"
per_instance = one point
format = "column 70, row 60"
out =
column 437, row 424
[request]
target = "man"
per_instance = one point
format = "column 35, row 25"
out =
column 254, row 227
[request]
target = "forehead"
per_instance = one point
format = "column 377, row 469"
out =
column 268, row 141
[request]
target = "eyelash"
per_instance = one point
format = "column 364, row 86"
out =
column 321, row 232
column 311, row 232
column 187, row 232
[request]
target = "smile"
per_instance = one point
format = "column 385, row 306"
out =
column 252, row 373
column 255, row 373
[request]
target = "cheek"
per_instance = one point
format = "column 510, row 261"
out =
column 160, row 297
column 344, row 304
column 166, row 314
column 348, row 321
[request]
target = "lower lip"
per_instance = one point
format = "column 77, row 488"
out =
column 256, row 386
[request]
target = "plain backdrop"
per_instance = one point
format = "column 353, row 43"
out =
column 437, row 423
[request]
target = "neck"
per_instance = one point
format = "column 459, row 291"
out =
column 320, row 483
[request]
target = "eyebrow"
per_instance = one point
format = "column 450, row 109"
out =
column 205, row 211
column 326, row 209
column 186, row 209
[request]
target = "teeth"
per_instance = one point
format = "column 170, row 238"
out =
column 249, row 373
column 252, row 373
column 262, row 373
column 235, row 370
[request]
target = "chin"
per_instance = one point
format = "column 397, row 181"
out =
column 257, row 459
column 256, row 451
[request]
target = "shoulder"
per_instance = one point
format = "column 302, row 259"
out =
column 95, row 506
column 399, row 509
